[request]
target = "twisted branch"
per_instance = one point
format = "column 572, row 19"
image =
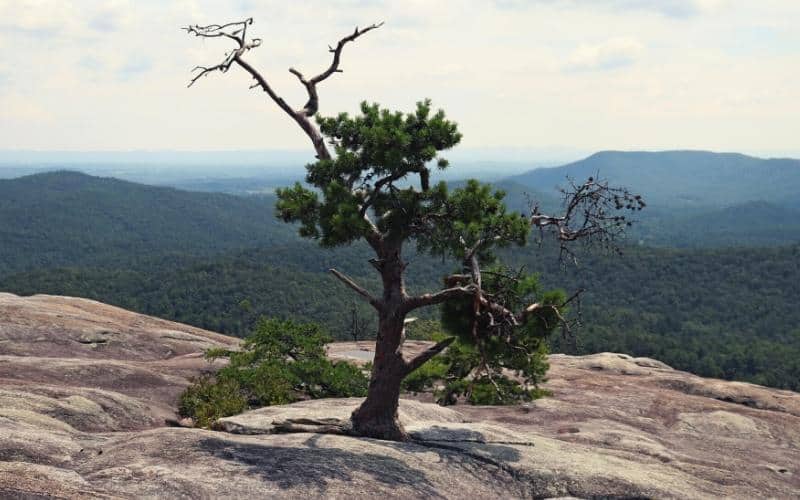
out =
column 237, row 31
column 427, row 354
column 312, row 106
column 217, row 31
column 587, row 216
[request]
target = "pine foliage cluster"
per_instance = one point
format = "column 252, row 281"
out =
column 281, row 362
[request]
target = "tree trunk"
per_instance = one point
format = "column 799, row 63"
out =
column 377, row 415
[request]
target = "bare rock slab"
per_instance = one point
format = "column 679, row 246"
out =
column 260, row 421
column 85, row 389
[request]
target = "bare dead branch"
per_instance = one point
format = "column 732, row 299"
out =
column 219, row 30
column 237, row 32
column 427, row 354
column 216, row 31
column 357, row 288
column 312, row 106
column 574, row 296
column 591, row 215
column 302, row 120
column 431, row 299
column 337, row 52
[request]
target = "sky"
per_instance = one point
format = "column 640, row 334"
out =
column 536, row 75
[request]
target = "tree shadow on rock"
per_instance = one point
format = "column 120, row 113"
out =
column 471, row 453
column 317, row 468
column 470, row 441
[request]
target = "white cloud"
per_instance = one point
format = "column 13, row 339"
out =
column 135, row 66
column 18, row 109
column 669, row 8
column 111, row 16
column 96, row 74
column 611, row 54
column 38, row 17
column 64, row 18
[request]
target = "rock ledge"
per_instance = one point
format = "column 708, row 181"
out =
column 86, row 389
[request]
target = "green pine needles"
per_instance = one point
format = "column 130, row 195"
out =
column 492, row 364
column 281, row 362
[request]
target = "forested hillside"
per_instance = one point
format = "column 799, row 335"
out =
column 728, row 313
column 68, row 218
column 695, row 199
column 220, row 262
column 754, row 223
column 71, row 219
column 725, row 313
column 683, row 179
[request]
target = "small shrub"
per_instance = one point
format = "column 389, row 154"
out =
column 268, row 383
column 207, row 400
column 491, row 363
column 281, row 362
column 499, row 391
column 485, row 353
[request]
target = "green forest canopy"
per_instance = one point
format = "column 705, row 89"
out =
column 724, row 313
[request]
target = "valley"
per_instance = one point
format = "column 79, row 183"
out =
column 708, row 288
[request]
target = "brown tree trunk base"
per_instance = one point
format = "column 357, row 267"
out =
column 376, row 417
column 385, row 427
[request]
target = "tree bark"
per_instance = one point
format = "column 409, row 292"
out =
column 377, row 415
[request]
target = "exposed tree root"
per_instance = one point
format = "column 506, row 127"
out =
column 342, row 427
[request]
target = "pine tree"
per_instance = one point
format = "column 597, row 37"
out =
column 376, row 187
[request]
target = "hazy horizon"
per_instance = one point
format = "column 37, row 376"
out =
column 277, row 157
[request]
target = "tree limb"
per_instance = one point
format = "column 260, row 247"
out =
column 588, row 214
column 431, row 299
column 427, row 354
column 312, row 106
column 373, row 236
column 237, row 31
column 357, row 288
column 219, row 30
column 308, row 127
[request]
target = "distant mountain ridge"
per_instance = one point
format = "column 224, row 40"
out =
column 69, row 218
column 684, row 179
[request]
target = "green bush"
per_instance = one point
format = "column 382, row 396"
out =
column 207, row 400
column 281, row 362
column 476, row 367
column 455, row 375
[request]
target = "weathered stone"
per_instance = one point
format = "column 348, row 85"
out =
column 261, row 421
column 84, row 418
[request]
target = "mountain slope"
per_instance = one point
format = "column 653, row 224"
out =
column 68, row 218
column 728, row 313
column 753, row 223
column 682, row 178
